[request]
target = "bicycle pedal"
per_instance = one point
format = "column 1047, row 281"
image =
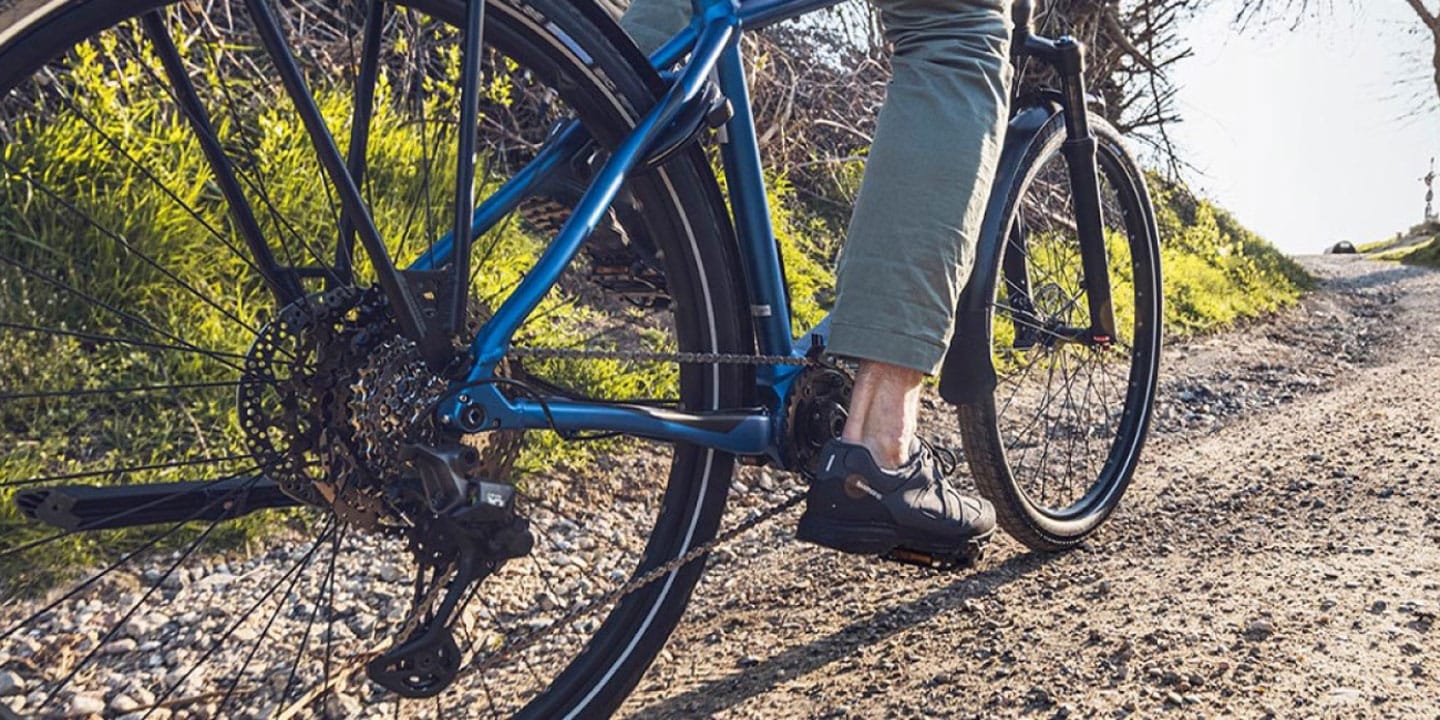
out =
column 965, row 559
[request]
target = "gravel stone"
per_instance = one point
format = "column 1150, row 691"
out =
column 85, row 705
column 11, row 684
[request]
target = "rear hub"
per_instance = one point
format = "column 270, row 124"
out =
column 341, row 406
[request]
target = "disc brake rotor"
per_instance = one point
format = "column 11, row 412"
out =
column 331, row 396
column 282, row 396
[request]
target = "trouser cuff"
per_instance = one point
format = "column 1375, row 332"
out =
column 887, row 346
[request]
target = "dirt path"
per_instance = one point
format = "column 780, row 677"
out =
column 1279, row 554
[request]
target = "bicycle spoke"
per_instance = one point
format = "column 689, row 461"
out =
column 427, row 150
column 1089, row 423
column 184, row 345
column 330, row 610
column 222, row 357
column 1043, row 411
column 1069, row 428
column 304, row 645
column 121, row 562
column 294, row 579
column 125, row 618
column 169, row 193
column 293, row 572
column 189, row 101
column 254, row 180
column 130, row 390
column 114, row 516
column 114, row 471
column 362, row 112
column 407, row 315
column 120, row 240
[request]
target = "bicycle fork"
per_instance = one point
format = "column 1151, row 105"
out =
column 1067, row 56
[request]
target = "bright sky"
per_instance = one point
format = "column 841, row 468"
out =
column 1301, row 134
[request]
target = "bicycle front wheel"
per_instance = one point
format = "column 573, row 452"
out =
column 134, row 312
column 1055, row 446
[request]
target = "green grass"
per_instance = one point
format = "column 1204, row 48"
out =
column 1378, row 245
column 1407, row 238
column 1425, row 255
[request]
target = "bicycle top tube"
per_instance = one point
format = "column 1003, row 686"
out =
column 753, row 15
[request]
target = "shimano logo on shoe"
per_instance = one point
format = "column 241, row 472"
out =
column 856, row 487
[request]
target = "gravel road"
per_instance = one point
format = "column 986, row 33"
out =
column 1278, row 555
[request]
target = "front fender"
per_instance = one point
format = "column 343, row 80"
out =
column 968, row 373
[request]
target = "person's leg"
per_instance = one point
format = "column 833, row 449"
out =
column 912, row 236
column 883, row 411
column 906, row 259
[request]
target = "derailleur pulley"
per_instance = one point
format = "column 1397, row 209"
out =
column 470, row 525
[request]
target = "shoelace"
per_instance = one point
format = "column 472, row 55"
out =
column 945, row 458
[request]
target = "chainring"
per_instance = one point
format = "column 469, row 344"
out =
column 815, row 414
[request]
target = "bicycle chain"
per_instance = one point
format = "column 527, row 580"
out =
column 422, row 608
column 620, row 593
column 685, row 358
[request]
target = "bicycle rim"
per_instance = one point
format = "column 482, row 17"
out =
column 1059, row 441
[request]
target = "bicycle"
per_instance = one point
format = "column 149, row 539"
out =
column 381, row 407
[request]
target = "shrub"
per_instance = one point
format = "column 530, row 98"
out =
column 1215, row 270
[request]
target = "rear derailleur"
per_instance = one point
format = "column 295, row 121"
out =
column 464, row 530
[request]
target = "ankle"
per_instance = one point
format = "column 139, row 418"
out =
column 889, row 453
column 883, row 412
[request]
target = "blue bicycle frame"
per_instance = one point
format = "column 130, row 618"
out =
column 712, row 44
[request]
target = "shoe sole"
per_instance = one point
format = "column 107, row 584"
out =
column 861, row 538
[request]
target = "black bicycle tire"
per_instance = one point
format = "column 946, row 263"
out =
column 984, row 445
column 704, row 281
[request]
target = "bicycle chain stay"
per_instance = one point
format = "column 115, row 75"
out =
column 642, row 581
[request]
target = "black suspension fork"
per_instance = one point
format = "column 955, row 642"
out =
column 1067, row 56
column 1080, row 155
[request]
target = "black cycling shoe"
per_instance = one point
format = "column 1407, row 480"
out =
column 913, row 513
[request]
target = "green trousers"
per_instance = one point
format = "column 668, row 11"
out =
column 911, row 241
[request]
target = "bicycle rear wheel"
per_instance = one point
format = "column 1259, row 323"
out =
column 1056, row 445
column 133, row 314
